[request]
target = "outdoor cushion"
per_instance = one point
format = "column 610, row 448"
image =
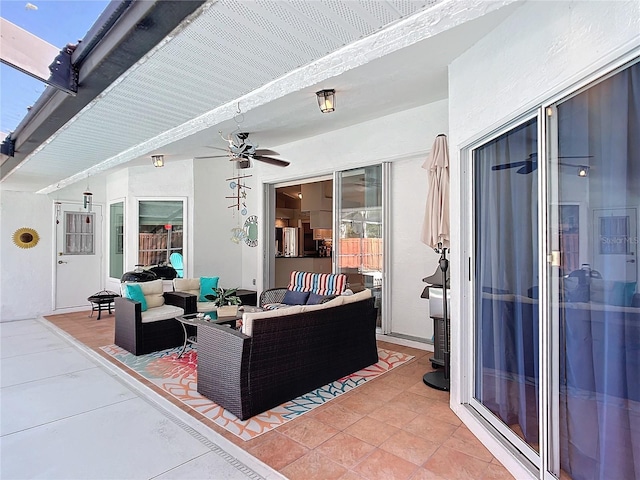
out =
column 134, row 292
column 295, row 298
column 163, row 312
column 314, row 298
column 249, row 317
column 318, row 283
column 187, row 285
column 207, row 284
column 153, row 293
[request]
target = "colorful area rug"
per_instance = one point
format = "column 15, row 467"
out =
column 178, row 376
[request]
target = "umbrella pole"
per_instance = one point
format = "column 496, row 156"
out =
column 440, row 378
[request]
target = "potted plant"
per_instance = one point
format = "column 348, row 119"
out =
column 226, row 301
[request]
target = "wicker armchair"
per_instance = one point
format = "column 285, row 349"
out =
column 272, row 295
column 153, row 334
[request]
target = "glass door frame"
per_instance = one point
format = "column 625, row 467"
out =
column 385, row 312
column 529, row 457
column 547, row 466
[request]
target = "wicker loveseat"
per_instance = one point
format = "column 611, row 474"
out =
column 284, row 353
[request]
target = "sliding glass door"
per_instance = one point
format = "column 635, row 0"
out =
column 597, row 304
column 358, row 251
column 556, row 305
column 506, row 283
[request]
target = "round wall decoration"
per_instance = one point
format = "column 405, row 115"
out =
column 26, row 237
column 251, row 231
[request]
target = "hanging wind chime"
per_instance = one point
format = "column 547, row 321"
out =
column 87, row 200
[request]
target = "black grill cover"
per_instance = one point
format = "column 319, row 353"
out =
column 141, row 276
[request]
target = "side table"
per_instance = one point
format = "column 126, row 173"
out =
column 248, row 297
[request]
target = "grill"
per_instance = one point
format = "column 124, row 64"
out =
column 434, row 292
column 138, row 275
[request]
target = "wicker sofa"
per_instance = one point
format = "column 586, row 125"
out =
column 156, row 328
column 284, row 353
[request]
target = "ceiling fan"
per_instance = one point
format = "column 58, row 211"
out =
column 242, row 150
column 531, row 163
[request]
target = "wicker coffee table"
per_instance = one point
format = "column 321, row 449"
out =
column 191, row 319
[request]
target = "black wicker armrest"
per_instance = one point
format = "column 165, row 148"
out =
column 186, row 301
column 272, row 295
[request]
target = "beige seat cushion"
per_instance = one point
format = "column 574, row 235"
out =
column 153, row 292
column 163, row 312
column 249, row 317
column 187, row 285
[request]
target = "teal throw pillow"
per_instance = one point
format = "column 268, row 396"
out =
column 134, row 292
column 207, row 284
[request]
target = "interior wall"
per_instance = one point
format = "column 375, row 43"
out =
column 404, row 139
column 516, row 67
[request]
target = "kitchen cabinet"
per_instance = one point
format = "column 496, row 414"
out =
column 316, row 196
column 322, row 234
column 321, row 219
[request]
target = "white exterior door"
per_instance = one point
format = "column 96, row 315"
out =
column 78, row 262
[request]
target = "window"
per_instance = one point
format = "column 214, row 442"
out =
column 160, row 230
column 78, row 233
column 116, row 240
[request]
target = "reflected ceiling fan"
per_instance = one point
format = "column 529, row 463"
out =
column 242, row 150
column 531, row 164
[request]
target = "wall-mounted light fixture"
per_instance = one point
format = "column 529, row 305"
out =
column 326, row 100
column 300, row 195
column 583, row 171
column 157, row 160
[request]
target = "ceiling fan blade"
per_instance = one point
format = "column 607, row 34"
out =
column 528, row 168
column 211, row 156
column 265, row 151
column 512, row 165
column 273, row 161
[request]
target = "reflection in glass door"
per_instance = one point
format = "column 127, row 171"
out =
column 597, row 304
column 359, row 232
column 506, row 377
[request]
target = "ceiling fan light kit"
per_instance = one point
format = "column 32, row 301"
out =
column 157, row 160
column 326, row 100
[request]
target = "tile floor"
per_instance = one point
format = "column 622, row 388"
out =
column 394, row 427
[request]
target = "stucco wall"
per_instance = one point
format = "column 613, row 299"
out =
column 404, row 140
column 540, row 50
column 26, row 275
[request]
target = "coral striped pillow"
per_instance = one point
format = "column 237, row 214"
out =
column 318, row 283
column 329, row 283
column 301, row 281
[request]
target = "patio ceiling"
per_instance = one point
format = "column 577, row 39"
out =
column 265, row 58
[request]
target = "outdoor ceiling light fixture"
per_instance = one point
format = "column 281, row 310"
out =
column 326, row 100
column 583, row 171
column 158, row 160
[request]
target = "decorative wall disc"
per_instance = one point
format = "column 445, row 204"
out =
column 251, row 231
column 26, row 237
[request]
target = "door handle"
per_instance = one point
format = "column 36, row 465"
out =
column 60, row 262
column 631, row 261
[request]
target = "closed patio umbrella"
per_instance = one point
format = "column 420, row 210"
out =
column 435, row 227
column 435, row 233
